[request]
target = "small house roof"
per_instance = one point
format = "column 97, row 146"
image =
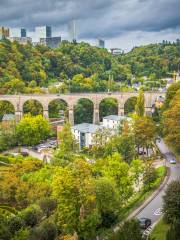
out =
column 8, row 117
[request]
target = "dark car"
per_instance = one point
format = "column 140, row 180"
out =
column 142, row 153
column 144, row 222
column 25, row 154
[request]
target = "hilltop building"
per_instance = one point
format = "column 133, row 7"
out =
column 72, row 31
column 100, row 43
column 19, row 35
column 43, row 32
column 4, row 32
column 17, row 32
column 52, row 42
column 116, row 51
column 21, row 40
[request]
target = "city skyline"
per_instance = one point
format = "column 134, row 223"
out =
column 122, row 24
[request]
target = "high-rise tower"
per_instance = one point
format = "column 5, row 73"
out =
column 72, row 31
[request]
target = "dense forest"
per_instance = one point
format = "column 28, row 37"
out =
column 81, row 67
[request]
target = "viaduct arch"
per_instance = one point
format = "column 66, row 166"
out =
column 72, row 99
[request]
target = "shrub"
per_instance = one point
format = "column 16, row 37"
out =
column 171, row 205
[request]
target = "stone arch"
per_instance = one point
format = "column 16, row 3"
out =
column 108, row 106
column 83, row 110
column 33, row 106
column 58, row 108
column 6, row 107
column 129, row 105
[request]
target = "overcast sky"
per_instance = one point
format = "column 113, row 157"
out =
column 121, row 23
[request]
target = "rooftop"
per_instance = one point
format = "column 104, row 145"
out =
column 87, row 127
column 117, row 118
column 8, row 117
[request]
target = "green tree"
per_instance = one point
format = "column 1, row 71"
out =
column 114, row 167
column 100, row 139
column 108, row 106
column 67, row 146
column 46, row 231
column 174, row 231
column 4, row 230
column 129, row 106
column 31, row 215
column 47, row 205
column 144, row 132
column 22, row 234
column 5, row 108
column 140, row 104
column 171, row 204
column 123, row 144
column 171, row 92
column 73, row 186
column 83, row 111
column 137, row 169
column 30, row 130
column 33, row 107
column 107, row 198
column 149, row 176
column 171, row 123
column 129, row 230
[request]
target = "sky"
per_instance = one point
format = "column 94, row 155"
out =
column 121, row 23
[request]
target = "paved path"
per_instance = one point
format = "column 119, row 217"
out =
column 154, row 209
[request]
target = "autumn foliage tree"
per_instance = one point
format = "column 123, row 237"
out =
column 172, row 123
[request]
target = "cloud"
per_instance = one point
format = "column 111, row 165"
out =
column 108, row 19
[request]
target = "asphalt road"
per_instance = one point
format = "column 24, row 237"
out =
column 154, row 209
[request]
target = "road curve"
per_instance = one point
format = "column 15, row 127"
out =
column 153, row 209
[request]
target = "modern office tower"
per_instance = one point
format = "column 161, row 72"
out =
column 17, row 32
column 72, row 31
column 52, row 42
column 100, row 43
column 23, row 32
column 4, row 32
column 43, row 32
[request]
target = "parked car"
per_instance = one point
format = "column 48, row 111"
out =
column 25, row 154
column 172, row 161
column 144, row 222
column 142, row 153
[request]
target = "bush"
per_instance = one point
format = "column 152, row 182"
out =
column 47, row 205
column 4, row 159
column 15, row 224
column 31, row 215
column 46, row 231
column 129, row 231
column 108, row 219
column 174, row 232
column 171, row 199
column 4, row 230
column 22, row 234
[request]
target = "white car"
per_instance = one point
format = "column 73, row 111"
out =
column 173, row 161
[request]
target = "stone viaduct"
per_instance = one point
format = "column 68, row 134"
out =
column 72, row 99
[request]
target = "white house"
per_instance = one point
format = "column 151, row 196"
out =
column 113, row 121
column 84, row 133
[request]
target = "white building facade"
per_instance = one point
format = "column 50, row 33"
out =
column 114, row 121
column 84, row 133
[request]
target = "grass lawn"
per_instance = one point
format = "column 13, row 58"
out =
column 160, row 230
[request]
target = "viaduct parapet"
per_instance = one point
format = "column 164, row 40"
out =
column 72, row 99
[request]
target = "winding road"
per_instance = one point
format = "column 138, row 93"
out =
column 153, row 210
